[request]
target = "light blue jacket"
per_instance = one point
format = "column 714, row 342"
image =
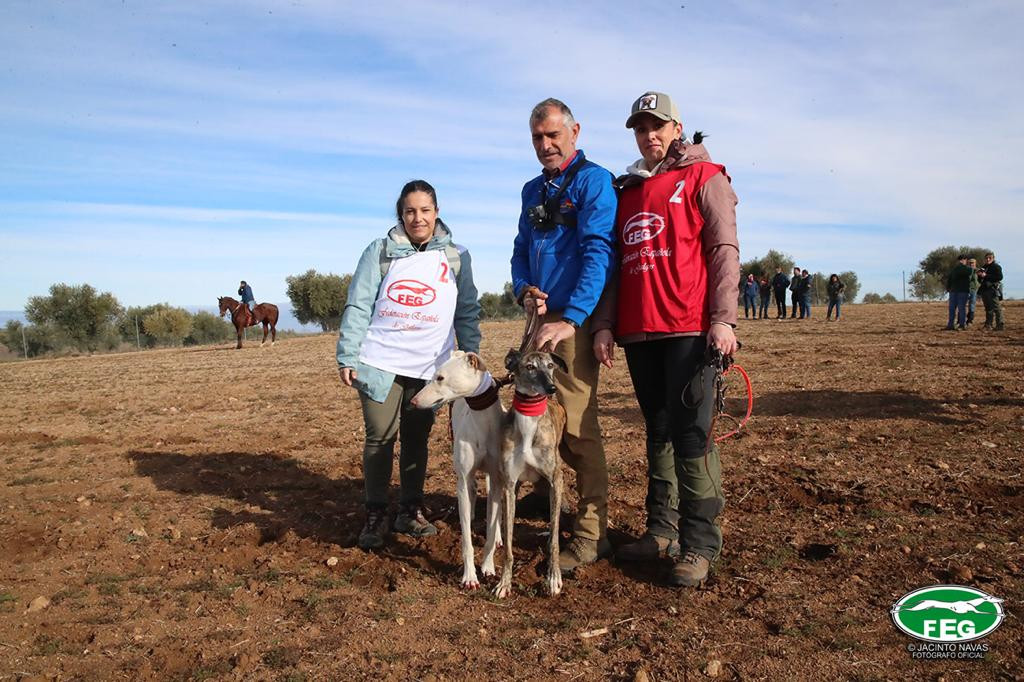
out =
column 364, row 290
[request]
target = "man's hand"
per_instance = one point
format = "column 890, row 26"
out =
column 604, row 347
column 722, row 337
column 535, row 299
column 347, row 374
column 550, row 334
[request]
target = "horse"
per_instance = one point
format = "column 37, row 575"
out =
column 241, row 317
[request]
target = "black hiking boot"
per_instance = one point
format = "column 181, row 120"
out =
column 375, row 530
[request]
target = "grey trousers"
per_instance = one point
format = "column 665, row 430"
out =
column 395, row 417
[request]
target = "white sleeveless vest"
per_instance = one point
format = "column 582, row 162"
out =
column 411, row 332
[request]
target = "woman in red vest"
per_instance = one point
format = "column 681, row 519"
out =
column 672, row 299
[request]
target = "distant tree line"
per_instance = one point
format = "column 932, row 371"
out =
column 872, row 297
column 928, row 282
column 79, row 318
column 501, row 306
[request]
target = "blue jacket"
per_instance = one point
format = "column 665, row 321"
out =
column 571, row 265
column 364, row 290
column 246, row 293
column 780, row 281
column 751, row 289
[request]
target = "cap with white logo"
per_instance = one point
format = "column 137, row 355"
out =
column 657, row 104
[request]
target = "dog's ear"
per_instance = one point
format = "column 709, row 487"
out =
column 560, row 362
column 512, row 359
column 475, row 361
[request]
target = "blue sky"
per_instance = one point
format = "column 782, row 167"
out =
column 163, row 151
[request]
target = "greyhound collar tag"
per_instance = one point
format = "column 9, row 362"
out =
column 529, row 405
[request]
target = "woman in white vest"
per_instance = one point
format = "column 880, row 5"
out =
column 411, row 299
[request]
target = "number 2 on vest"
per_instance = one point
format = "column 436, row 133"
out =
column 444, row 272
column 676, row 199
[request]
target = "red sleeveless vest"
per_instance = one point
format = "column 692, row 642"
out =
column 662, row 270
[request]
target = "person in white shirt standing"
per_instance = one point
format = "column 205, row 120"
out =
column 411, row 299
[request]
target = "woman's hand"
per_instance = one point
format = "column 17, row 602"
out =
column 722, row 337
column 604, row 347
column 347, row 374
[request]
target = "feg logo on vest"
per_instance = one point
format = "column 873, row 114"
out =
column 411, row 292
column 642, row 227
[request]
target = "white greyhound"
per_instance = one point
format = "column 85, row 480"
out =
column 477, row 416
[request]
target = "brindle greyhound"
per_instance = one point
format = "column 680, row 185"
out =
column 529, row 451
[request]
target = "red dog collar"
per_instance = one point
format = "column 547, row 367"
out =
column 529, row 405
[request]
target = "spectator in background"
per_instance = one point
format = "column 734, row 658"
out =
column 958, row 284
column 804, row 291
column 991, row 290
column 794, row 288
column 750, row 291
column 779, row 284
column 766, row 297
column 972, row 296
column 835, row 288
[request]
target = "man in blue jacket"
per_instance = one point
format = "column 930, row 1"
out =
column 780, row 283
column 245, row 291
column 564, row 248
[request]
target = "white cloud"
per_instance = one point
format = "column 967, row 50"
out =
column 295, row 124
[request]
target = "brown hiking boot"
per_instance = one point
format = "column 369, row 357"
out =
column 690, row 570
column 648, row 548
column 580, row 552
column 411, row 521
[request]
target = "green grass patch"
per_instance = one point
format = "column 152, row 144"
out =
column 108, row 584
column 45, row 645
column 143, row 589
column 780, row 558
column 201, row 585
column 280, row 657
column 208, row 672
column 227, row 589
column 69, row 594
column 327, row 583
column 31, row 479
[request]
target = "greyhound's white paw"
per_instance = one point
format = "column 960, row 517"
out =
column 470, row 583
column 554, row 584
column 503, row 589
column 487, row 568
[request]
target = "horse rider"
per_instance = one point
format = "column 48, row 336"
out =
column 245, row 291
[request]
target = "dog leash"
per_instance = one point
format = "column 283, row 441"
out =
column 722, row 365
column 530, row 332
column 529, row 337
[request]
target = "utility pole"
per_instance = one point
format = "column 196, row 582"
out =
column 904, row 286
column 138, row 342
column 24, row 344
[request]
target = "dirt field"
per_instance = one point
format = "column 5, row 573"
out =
column 180, row 528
